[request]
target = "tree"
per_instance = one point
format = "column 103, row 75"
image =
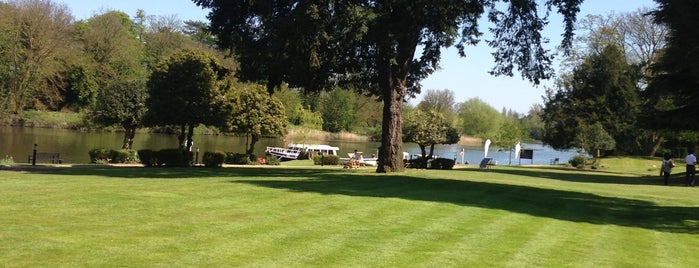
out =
column 479, row 119
column 113, row 55
column 252, row 112
column 295, row 112
column 37, row 42
column 184, row 90
column 593, row 139
column 426, row 129
column 338, row 110
column 674, row 90
column 532, row 124
column 508, row 135
column 161, row 36
column 441, row 101
column 603, row 89
column 642, row 41
column 374, row 43
column 122, row 103
column 633, row 32
column 198, row 30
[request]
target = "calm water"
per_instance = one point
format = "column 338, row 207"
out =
column 74, row 145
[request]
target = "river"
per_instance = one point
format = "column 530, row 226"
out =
column 73, row 146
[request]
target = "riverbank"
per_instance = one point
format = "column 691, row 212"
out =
column 38, row 119
column 77, row 121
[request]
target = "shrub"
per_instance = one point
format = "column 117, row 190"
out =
column 419, row 162
column 8, row 160
column 175, row 158
column 148, row 157
column 237, row 159
column 272, row 160
column 213, row 159
column 166, row 157
column 123, row 156
column 578, row 161
column 100, row 156
column 442, row 163
column 326, row 160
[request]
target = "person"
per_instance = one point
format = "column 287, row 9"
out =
column 666, row 168
column 357, row 155
column 691, row 161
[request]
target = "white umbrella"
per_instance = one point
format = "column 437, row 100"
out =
column 518, row 147
column 487, row 145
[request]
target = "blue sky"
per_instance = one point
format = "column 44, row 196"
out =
column 466, row 77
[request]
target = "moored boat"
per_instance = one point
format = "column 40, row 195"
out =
column 292, row 151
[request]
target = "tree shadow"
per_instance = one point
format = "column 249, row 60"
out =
column 539, row 202
column 588, row 176
column 130, row 172
column 556, row 204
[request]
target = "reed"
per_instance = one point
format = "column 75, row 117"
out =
column 304, row 135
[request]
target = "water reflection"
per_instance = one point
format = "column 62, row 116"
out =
column 74, row 145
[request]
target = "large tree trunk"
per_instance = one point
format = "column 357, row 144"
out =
column 391, row 150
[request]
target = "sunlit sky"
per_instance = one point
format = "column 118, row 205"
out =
column 467, row 77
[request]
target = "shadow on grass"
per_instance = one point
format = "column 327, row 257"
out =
column 556, row 204
column 588, row 176
column 550, row 203
column 127, row 172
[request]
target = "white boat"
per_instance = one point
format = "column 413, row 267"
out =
column 292, row 151
column 284, row 154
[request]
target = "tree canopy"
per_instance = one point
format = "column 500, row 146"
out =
column 313, row 44
column 250, row 111
column 674, row 90
column 36, row 41
column 603, row 89
column 428, row 129
column 185, row 90
column 122, row 103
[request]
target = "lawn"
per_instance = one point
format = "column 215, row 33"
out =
column 304, row 216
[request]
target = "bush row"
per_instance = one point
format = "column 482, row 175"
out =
column 437, row 163
column 218, row 158
column 122, row 156
column 175, row 157
column 328, row 160
column 166, row 157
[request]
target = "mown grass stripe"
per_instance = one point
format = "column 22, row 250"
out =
column 514, row 216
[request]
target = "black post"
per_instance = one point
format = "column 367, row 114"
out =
column 34, row 155
column 322, row 159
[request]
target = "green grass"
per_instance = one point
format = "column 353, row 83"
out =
column 302, row 216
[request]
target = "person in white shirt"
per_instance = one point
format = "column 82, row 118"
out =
column 691, row 161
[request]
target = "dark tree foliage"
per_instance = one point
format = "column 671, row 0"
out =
column 674, row 90
column 603, row 90
column 314, row 44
